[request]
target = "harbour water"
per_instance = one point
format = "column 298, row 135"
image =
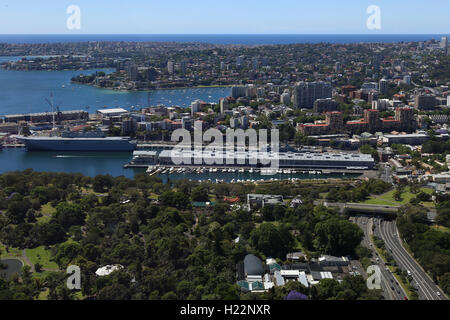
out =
column 94, row 163
column 38, row 85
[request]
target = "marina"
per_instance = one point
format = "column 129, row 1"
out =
column 245, row 175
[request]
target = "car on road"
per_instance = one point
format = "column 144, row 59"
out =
column 438, row 293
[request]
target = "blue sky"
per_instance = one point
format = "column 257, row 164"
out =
column 226, row 16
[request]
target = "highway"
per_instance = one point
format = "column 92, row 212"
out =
column 391, row 288
column 427, row 289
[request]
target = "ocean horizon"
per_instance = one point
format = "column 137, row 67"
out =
column 224, row 39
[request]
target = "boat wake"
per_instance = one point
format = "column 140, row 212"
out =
column 64, row 156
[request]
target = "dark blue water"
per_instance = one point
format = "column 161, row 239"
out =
column 87, row 163
column 249, row 39
column 94, row 163
column 26, row 91
column 13, row 266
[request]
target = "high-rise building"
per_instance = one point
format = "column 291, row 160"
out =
column 444, row 45
column 305, row 93
column 240, row 61
column 335, row 121
column 250, row 90
column 170, row 67
column 223, row 105
column 255, row 63
column 183, row 65
column 444, row 42
column 407, row 79
column 425, row 101
column 337, row 66
column 372, row 117
column 324, row 105
column 186, row 123
column 195, row 107
column 238, row 91
column 405, row 116
column 381, row 104
column 383, row 86
column 152, row 74
column 132, row 72
column 285, row 98
column 129, row 126
column 376, row 60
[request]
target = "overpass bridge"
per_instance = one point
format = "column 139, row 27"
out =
column 361, row 208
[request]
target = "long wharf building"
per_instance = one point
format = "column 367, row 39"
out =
column 267, row 159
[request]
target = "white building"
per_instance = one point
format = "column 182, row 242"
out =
column 107, row 270
column 195, row 107
column 112, row 112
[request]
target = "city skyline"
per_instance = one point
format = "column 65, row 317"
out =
column 232, row 17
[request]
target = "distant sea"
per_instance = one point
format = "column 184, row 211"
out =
column 246, row 39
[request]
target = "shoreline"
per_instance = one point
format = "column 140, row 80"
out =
column 156, row 89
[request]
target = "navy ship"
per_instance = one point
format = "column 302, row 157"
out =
column 78, row 141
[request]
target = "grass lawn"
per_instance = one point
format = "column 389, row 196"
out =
column 42, row 274
column 441, row 228
column 153, row 196
column 41, row 255
column 43, row 294
column 47, row 211
column 13, row 252
column 388, row 198
column 399, row 280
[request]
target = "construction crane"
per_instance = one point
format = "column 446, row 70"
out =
column 50, row 102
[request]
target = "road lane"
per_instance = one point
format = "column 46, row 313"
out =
column 426, row 287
